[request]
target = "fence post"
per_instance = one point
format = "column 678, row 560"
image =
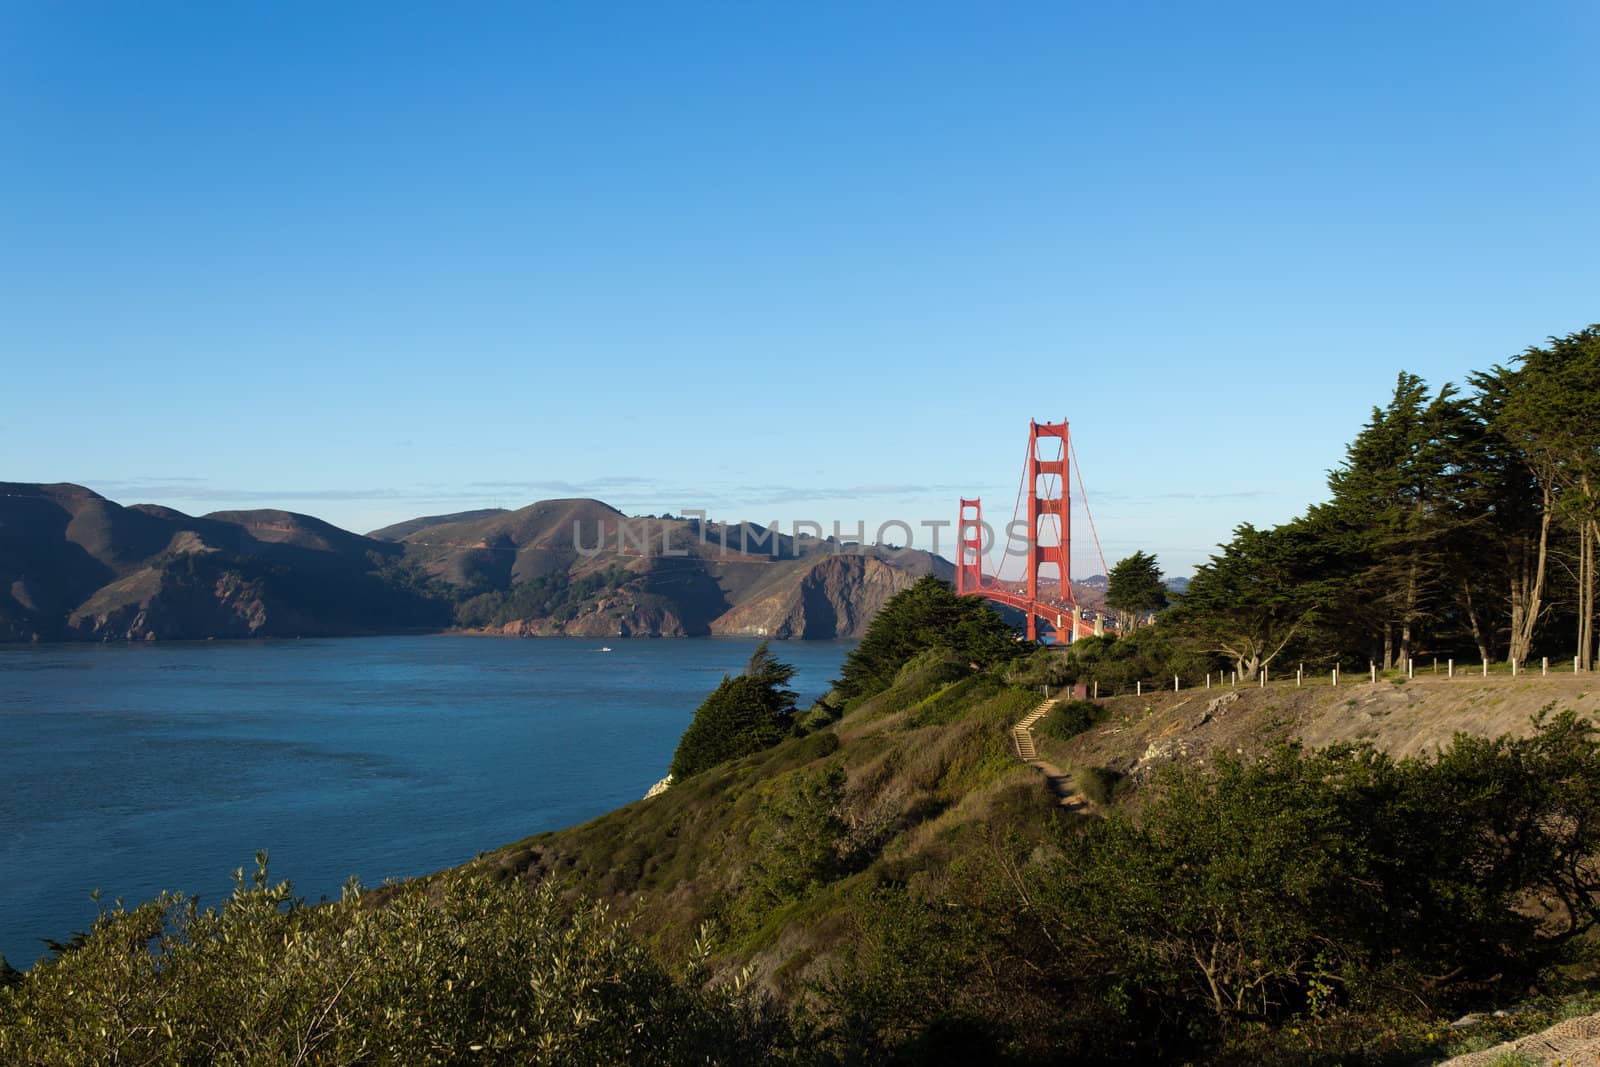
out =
column 1097, row 689
column 1513, row 668
column 1486, row 668
column 1544, row 666
column 1263, row 677
column 1374, row 669
column 1174, row 683
column 1411, row 667
column 1208, row 679
column 1450, row 672
column 1299, row 675
column 1336, row 677
column 1138, row 689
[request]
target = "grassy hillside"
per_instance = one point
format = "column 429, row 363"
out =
column 1254, row 876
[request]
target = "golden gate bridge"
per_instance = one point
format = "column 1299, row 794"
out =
column 1044, row 595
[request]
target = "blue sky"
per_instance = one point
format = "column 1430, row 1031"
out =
column 779, row 261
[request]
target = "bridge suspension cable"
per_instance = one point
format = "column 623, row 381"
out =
column 1084, row 494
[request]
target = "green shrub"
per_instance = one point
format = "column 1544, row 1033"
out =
column 1071, row 718
column 1342, row 878
column 459, row 971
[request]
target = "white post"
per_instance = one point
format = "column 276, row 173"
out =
column 1138, row 689
column 1336, row 677
column 1411, row 667
column 1174, row 683
column 1208, row 679
column 1486, row 668
column 1513, row 668
column 1544, row 666
column 1450, row 671
column 1097, row 689
column 1299, row 675
column 1574, row 671
column 1374, row 673
column 1263, row 677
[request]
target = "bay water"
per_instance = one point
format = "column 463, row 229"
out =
column 136, row 768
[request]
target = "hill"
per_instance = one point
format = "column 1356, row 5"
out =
column 656, row 576
column 931, row 761
column 400, row 529
column 888, row 882
column 76, row 566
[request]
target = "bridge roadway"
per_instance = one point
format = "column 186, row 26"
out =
column 1060, row 614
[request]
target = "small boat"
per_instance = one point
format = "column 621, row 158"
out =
column 605, row 648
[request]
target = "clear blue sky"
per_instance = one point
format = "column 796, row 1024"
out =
column 780, row 261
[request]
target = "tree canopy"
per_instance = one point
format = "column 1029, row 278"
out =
column 927, row 615
column 1135, row 589
column 1461, row 522
column 744, row 714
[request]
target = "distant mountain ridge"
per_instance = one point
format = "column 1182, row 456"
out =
column 77, row 566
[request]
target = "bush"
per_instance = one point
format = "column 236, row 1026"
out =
column 1050, row 665
column 1116, row 663
column 1071, row 718
column 462, row 970
column 1305, row 881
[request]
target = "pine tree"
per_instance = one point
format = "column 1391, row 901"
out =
column 744, row 714
column 1135, row 588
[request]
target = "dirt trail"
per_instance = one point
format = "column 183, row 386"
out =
column 1060, row 783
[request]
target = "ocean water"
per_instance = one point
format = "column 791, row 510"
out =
column 132, row 769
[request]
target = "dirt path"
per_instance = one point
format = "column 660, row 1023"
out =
column 1060, row 783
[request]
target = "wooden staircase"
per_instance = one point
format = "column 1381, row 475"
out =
column 1022, row 733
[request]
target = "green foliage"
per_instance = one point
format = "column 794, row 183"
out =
column 744, row 714
column 1070, row 718
column 1135, row 588
column 894, row 998
column 1259, row 890
column 458, row 971
column 1460, row 522
column 799, row 843
column 1152, row 655
column 556, row 595
column 957, row 699
column 926, row 616
column 1256, row 595
column 1047, row 665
